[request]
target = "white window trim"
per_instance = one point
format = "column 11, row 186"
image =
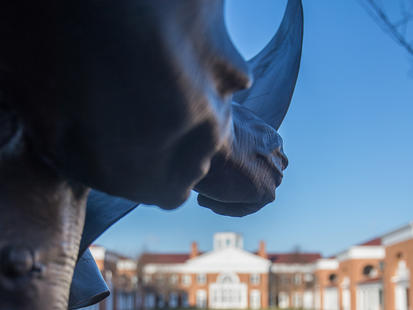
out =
column 201, row 278
column 255, row 278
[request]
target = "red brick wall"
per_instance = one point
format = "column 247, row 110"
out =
column 395, row 253
column 353, row 269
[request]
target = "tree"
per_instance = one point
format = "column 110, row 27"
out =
column 395, row 17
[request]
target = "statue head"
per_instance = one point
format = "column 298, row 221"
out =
column 129, row 97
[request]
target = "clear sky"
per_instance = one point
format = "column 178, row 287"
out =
column 348, row 136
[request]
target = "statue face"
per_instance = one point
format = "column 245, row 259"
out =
column 129, row 97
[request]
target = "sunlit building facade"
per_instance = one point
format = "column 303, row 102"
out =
column 228, row 277
column 374, row 275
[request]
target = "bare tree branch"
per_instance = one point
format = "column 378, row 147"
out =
column 395, row 18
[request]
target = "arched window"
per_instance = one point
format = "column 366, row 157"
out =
column 332, row 278
column 227, row 278
column 370, row 271
column 228, row 292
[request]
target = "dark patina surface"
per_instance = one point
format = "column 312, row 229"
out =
column 133, row 99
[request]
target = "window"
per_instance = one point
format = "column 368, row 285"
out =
column 332, row 278
column 149, row 301
column 346, row 298
column 161, row 301
column 201, row 278
column 283, row 300
column 381, row 297
column 255, row 299
column 201, row 299
column 308, row 277
column 284, row 280
column 185, row 303
column 297, row 300
column 124, row 301
column 228, row 293
column 186, row 280
column 173, row 279
column 173, row 300
column 297, row 279
column 108, row 275
column 225, row 279
column 147, row 278
column 138, row 301
column 159, row 278
column 255, row 279
column 308, row 299
column 331, row 298
column 370, row 271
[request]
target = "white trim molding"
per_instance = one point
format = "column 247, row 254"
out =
column 228, row 260
column 399, row 235
column 402, row 273
column 126, row 265
column 163, row 268
column 224, row 260
column 362, row 252
column 98, row 252
column 326, row 264
column 292, row 268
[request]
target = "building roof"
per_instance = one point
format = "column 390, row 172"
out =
column 293, row 258
column 101, row 253
column 163, row 258
column 372, row 242
column 280, row 258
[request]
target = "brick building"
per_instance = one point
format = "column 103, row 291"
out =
column 351, row 280
column 374, row 275
column 292, row 279
column 371, row 276
column 121, row 277
column 226, row 277
column 398, row 268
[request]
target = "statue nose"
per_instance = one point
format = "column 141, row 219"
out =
column 16, row 261
column 232, row 77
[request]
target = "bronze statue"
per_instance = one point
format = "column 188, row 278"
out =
column 143, row 100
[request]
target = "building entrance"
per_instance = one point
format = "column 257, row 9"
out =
column 228, row 293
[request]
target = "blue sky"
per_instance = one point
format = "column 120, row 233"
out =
column 348, row 136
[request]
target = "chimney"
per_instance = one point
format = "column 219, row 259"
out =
column 261, row 250
column 194, row 250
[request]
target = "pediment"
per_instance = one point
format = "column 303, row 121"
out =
column 228, row 260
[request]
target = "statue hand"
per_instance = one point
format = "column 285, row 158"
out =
column 243, row 177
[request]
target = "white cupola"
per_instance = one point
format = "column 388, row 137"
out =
column 225, row 240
